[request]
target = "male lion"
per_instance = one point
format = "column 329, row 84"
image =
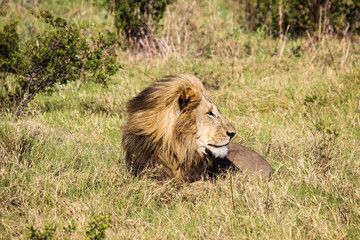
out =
column 174, row 130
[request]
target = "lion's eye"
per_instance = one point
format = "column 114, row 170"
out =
column 211, row 114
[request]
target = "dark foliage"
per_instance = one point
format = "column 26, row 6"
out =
column 133, row 16
column 324, row 136
column 134, row 19
column 57, row 56
column 324, row 16
column 96, row 228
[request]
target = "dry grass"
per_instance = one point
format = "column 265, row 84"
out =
column 63, row 161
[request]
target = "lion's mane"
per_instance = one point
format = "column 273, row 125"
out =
column 160, row 139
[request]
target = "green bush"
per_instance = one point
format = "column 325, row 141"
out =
column 301, row 16
column 47, row 233
column 94, row 231
column 135, row 18
column 55, row 56
column 324, row 136
column 96, row 228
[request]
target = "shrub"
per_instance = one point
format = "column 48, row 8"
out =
column 301, row 16
column 133, row 16
column 97, row 227
column 94, row 231
column 55, row 56
column 47, row 233
column 324, row 137
column 134, row 19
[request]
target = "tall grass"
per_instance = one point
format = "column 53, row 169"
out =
column 62, row 163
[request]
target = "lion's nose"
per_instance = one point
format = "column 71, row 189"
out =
column 230, row 134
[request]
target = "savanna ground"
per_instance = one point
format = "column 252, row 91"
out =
column 61, row 163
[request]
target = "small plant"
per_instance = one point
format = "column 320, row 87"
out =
column 295, row 49
column 94, row 231
column 324, row 136
column 96, row 228
column 59, row 55
column 70, row 228
column 247, row 46
column 46, row 234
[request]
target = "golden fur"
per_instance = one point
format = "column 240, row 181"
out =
column 174, row 130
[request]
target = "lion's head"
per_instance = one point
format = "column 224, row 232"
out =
column 175, row 130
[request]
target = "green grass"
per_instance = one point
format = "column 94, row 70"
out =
column 62, row 162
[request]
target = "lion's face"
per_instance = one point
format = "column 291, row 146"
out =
column 214, row 131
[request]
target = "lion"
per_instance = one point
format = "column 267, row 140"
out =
column 174, row 130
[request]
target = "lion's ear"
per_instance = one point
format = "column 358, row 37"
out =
column 189, row 99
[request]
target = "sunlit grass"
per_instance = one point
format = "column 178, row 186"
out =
column 63, row 161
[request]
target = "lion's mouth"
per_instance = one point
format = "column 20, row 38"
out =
column 217, row 151
column 218, row 146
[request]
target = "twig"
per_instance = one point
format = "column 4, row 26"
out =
column 91, row 13
column 147, row 75
column 146, row 223
column 320, row 22
column 317, row 122
column 114, row 13
column 3, row 82
column 280, row 20
column 267, row 200
column 232, row 194
column 284, row 41
column 332, row 59
column 310, row 38
column 26, row 102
